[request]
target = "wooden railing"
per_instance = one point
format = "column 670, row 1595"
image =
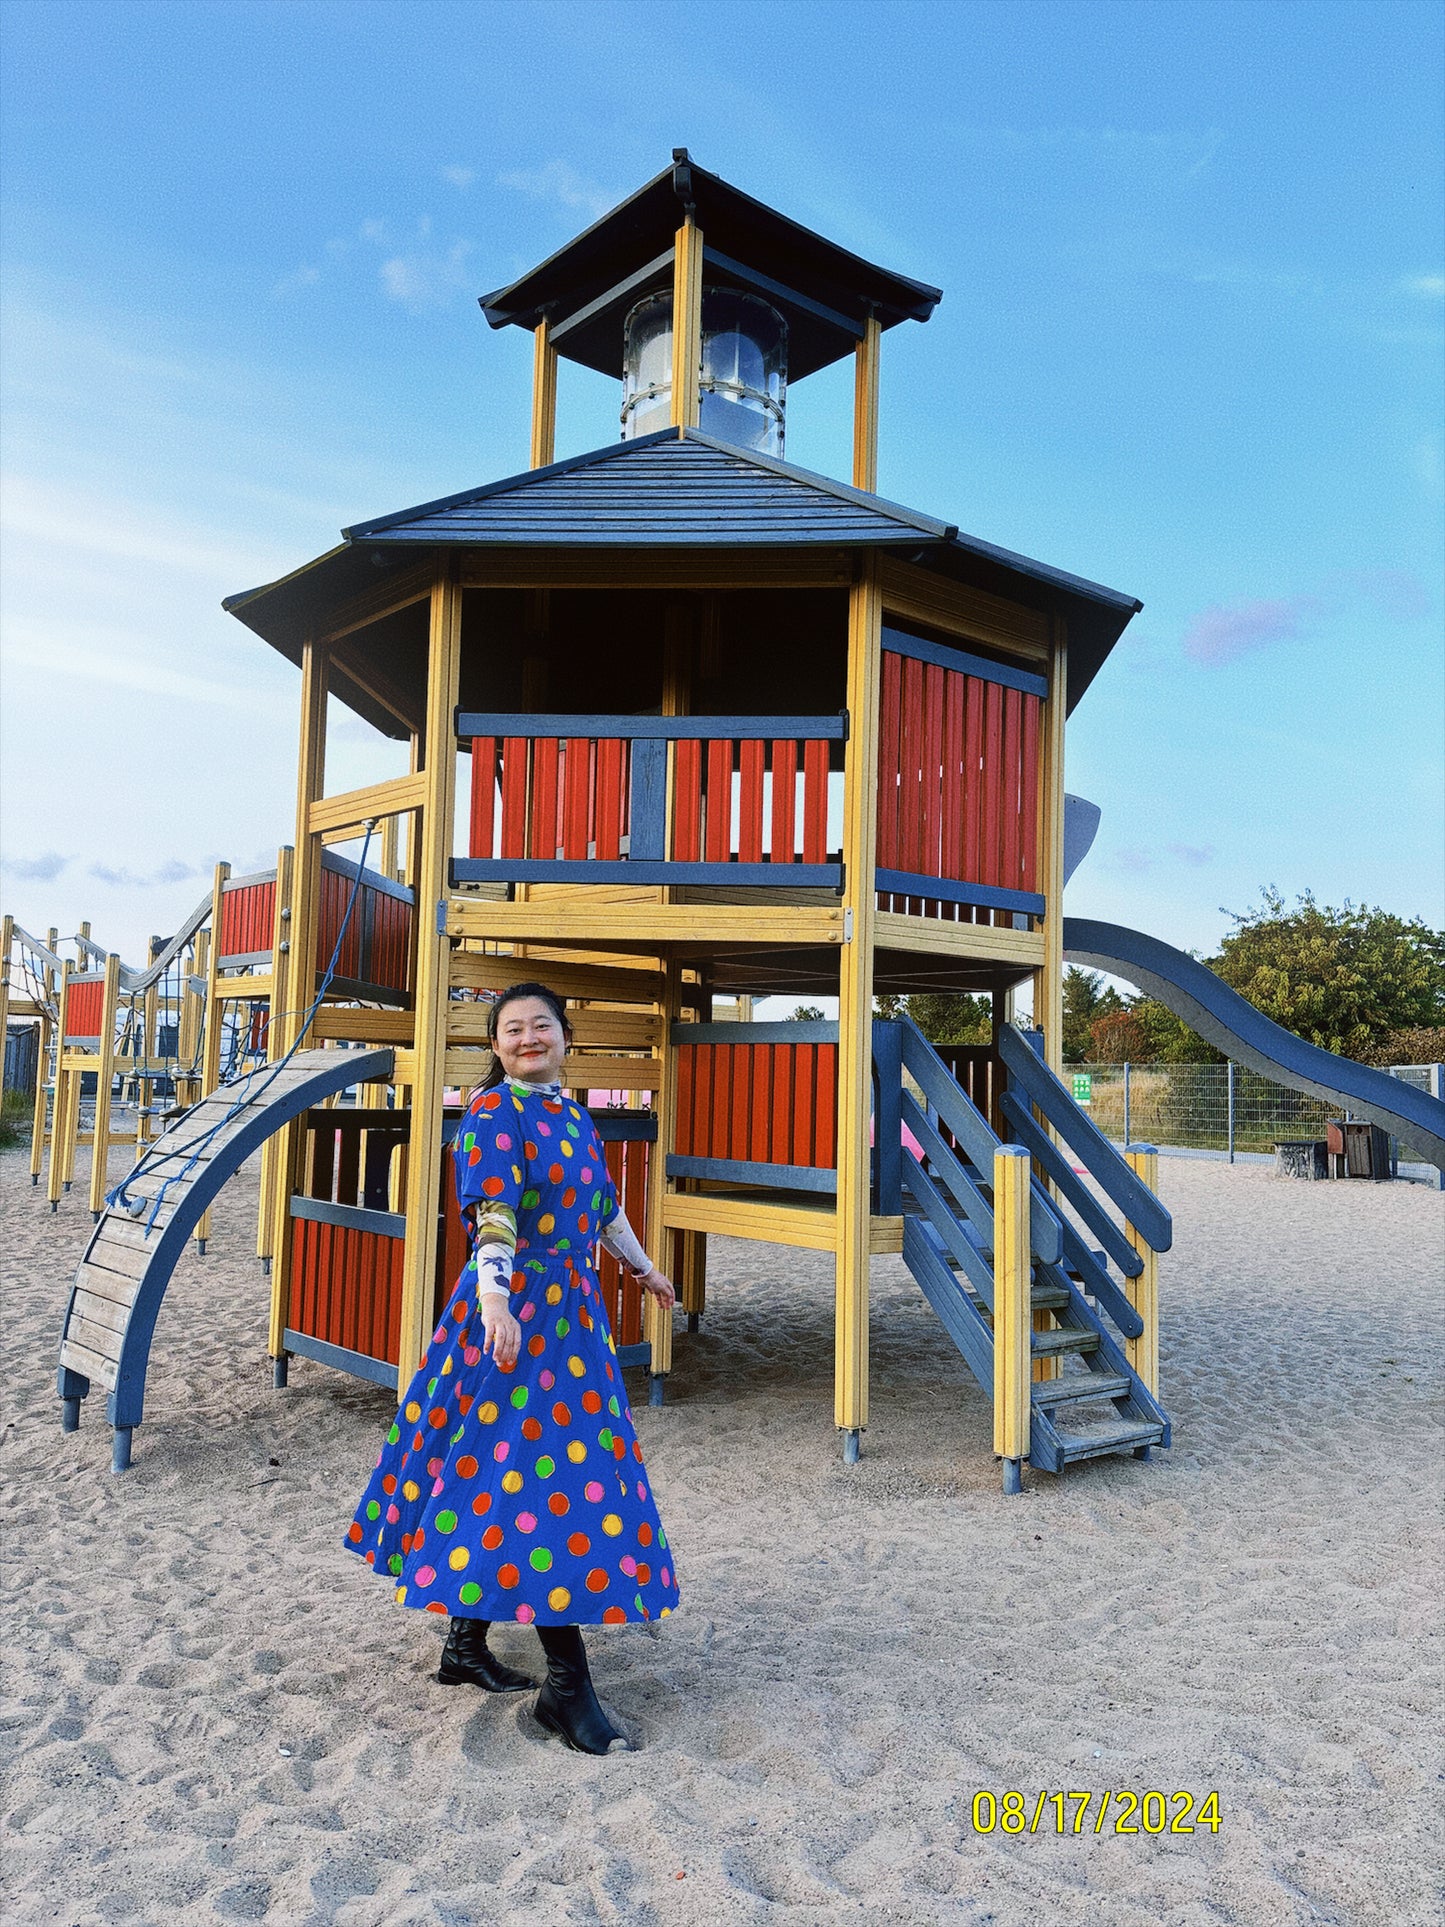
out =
column 958, row 781
column 375, row 958
column 650, row 799
column 757, row 1104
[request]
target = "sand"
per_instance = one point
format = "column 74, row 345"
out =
column 214, row 1714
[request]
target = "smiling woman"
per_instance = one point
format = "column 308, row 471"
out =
column 511, row 1483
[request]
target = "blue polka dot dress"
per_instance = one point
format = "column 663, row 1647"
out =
column 521, row 1493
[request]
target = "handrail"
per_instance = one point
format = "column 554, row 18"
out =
column 1041, row 1146
column 973, row 1132
column 666, row 729
column 1106, row 1165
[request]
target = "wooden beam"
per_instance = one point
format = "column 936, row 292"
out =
column 281, row 981
column 301, row 914
column 866, row 358
column 855, row 1007
column 104, row 1078
column 436, row 781
column 1012, row 1323
column 732, row 568
column 686, row 324
column 352, row 808
column 354, row 1025
column 918, row 595
column 647, row 923
column 471, row 970
column 544, row 395
column 976, row 942
column 730, row 1214
column 393, row 591
column 1143, row 1292
column 594, row 1029
column 251, row 984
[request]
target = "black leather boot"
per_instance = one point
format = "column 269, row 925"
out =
column 567, row 1704
column 467, row 1660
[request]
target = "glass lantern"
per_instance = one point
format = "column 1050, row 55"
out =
column 743, row 379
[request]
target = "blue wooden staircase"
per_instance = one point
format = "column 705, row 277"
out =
column 1095, row 1403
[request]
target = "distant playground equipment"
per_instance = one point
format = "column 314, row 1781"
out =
column 732, row 730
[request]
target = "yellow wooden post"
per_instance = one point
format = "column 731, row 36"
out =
column 1012, row 1326
column 686, row 324
column 47, row 1042
column 211, row 1035
column 432, row 982
column 544, row 395
column 1143, row 1352
column 299, row 914
column 191, row 1031
column 866, row 357
column 280, row 979
column 855, row 1010
column 66, row 1083
column 657, row 1323
column 104, row 1076
column 1049, row 979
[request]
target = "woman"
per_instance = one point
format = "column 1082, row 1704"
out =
column 511, row 1484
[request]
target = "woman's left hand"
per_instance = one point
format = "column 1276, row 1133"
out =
column 659, row 1286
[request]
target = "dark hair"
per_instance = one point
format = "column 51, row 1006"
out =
column 496, row 1075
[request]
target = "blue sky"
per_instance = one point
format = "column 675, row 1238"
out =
column 1190, row 345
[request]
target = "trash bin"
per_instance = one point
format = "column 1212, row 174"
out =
column 1357, row 1150
column 1300, row 1158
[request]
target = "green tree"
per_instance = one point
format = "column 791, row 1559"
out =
column 1345, row 979
column 948, row 1017
column 1086, row 1000
column 808, row 1014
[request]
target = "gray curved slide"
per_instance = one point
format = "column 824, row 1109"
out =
column 1228, row 1021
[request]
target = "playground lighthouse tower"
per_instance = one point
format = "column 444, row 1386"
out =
column 721, row 726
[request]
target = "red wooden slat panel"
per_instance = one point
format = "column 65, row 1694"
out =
column 1029, row 800
column 1009, row 791
column 932, row 824
column 951, row 830
column 576, row 799
column 805, row 1066
column 702, row 1100
column 544, row 835
column 910, row 765
column 83, row 1009
column 761, row 1101
column 515, row 754
column 825, row 1137
column 780, row 1112
column 815, row 802
column 634, row 1203
column 785, row 802
column 973, row 781
column 609, row 799
column 890, row 693
column 722, row 1102
column 682, row 1110
column 484, row 795
column 751, row 760
column 687, row 802
column 992, row 784
column 717, row 845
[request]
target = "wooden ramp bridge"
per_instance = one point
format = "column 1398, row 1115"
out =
column 121, row 1279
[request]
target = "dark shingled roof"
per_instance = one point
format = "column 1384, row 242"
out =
column 682, row 489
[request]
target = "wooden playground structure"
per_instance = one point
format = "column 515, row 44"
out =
column 707, row 726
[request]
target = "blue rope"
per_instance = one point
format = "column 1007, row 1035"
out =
column 246, row 1096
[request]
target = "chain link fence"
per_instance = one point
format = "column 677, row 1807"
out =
column 1209, row 1107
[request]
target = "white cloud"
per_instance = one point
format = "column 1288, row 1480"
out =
column 426, row 280
column 82, row 523
column 57, row 657
column 559, row 181
column 35, row 869
column 459, row 176
column 293, row 283
column 1428, row 287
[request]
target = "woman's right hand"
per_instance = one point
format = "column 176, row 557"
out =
column 503, row 1339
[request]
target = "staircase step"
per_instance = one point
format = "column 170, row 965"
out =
column 1080, row 1385
column 1068, row 1338
column 1049, row 1297
column 1113, row 1438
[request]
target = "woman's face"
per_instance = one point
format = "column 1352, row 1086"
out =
column 530, row 1041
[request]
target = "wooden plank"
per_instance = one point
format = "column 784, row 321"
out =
column 1143, row 1291
column 104, row 1340
column 353, row 1024
column 544, row 396
column 351, row 808
column 257, row 984
column 516, row 763
column 918, row 595
column 104, row 1297
column 1012, row 1313
column 647, row 923
column 601, row 982
column 115, row 1251
column 867, row 355
column 751, row 568
column 399, row 589
column 783, row 831
column 91, row 1365
column 686, row 323
column 595, row 1029
column 751, row 757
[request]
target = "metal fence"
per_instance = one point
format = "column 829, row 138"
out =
column 1209, row 1107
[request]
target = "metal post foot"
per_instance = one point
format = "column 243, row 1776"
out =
column 266, row 1267
column 67, row 1187
column 656, row 1387
column 1013, row 1476
column 120, row 1450
column 852, row 1444
column 693, row 1321
column 95, row 1217
column 200, row 1247
column 280, row 1367
column 1143, row 1451
column 54, row 1205
column 70, row 1415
